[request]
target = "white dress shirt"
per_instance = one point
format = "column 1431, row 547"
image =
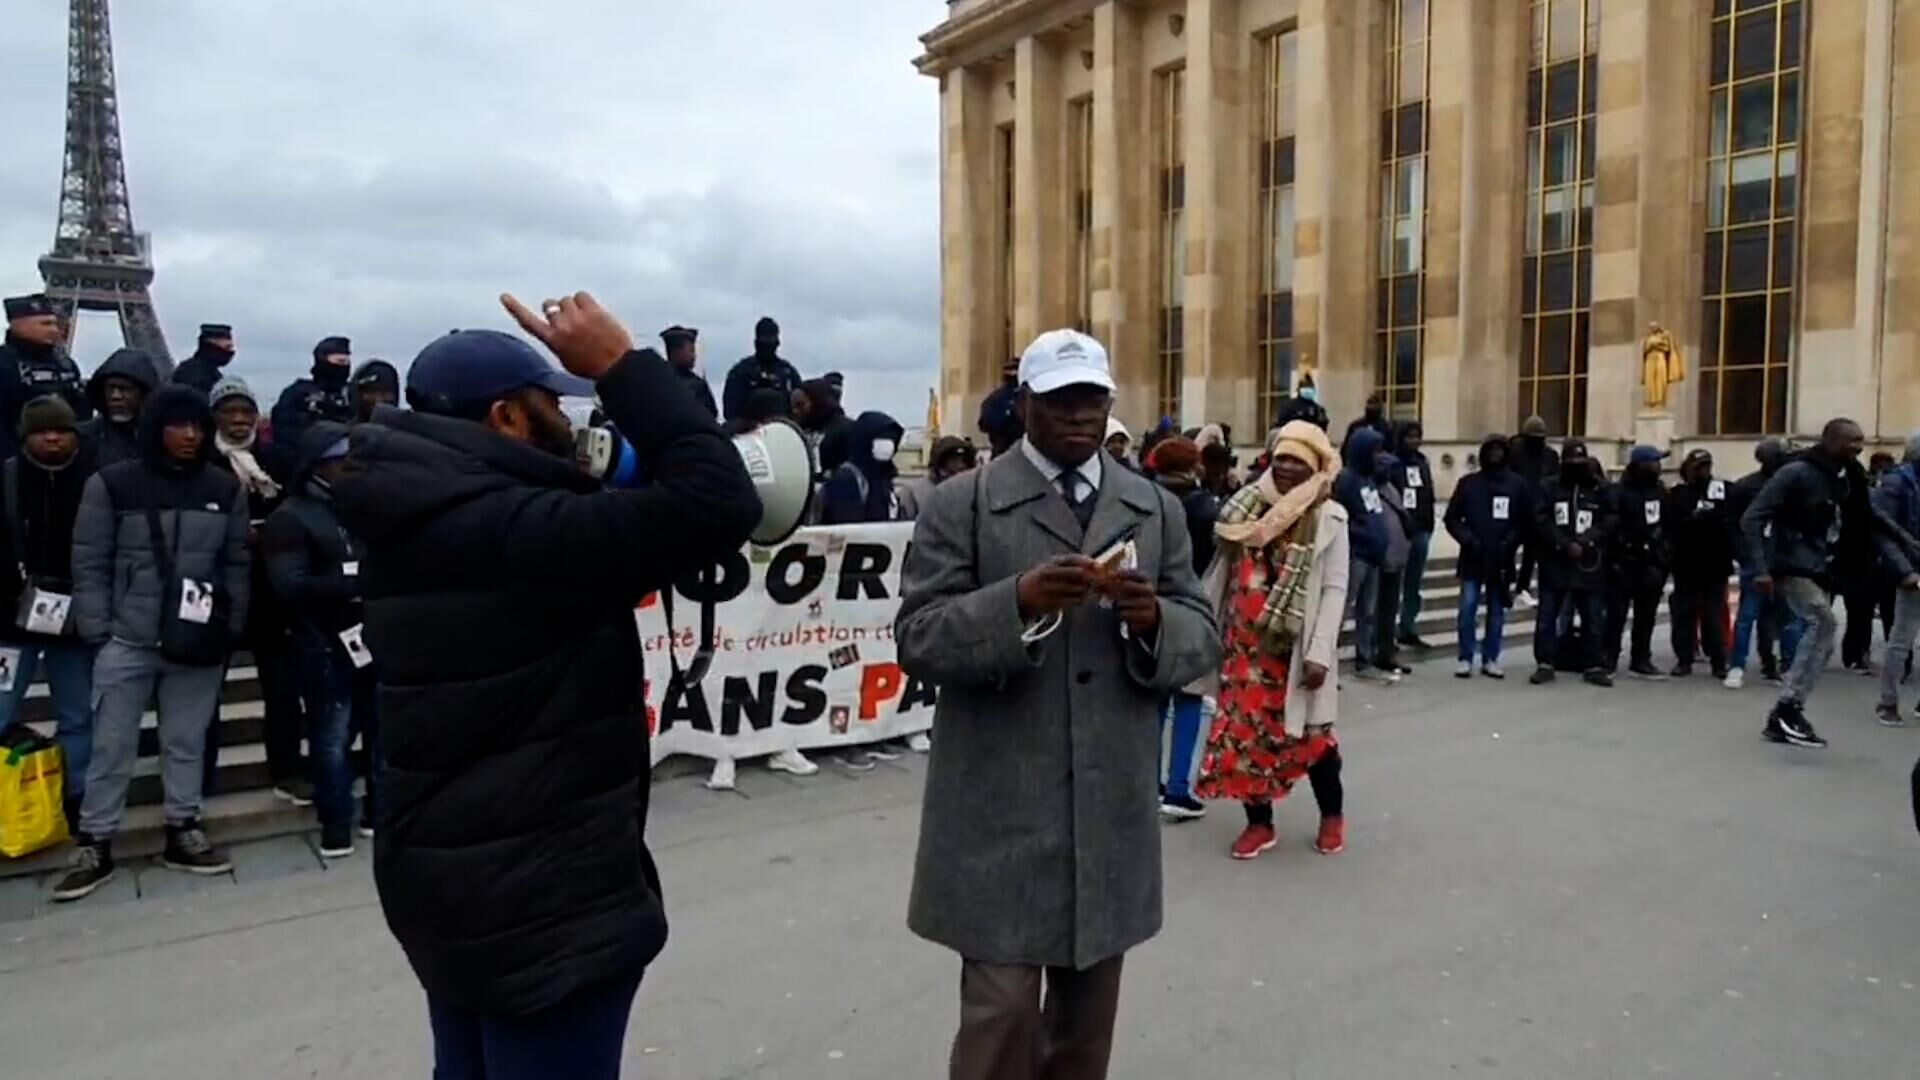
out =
column 1089, row 470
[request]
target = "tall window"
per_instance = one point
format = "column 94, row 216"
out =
column 1274, row 312
column 1403, row 212
column 1170, row 89
column 1080, row 161
column 1556, row 292
column 1753, row 189
column 1003, row 284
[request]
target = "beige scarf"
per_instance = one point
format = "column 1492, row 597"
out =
column 1260, row 513
column 247, row 468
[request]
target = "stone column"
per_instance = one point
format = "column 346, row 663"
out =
column 1123, row 219
column 969, row 369
column 1834, row 362
column 1899, row 405
column 1649, row 207
column 1479, row 80
column 1042, row 244
column 1219, row 378
column 1336, row 197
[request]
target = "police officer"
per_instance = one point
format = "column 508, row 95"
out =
column 323, row 395
column 33, row 365
column 1642, row 557
column 682, row 344
column 1702, row 536
column 1575, row 521
column 211, row 354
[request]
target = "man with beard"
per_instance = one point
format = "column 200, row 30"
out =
column 683, row 354
column 1534, row 461
column 119, row 391
column 375, row 383
column 1575, row 520
column 33, row 365
column 818, row 411
column 1702, row 547
column 1639, row 557
column 498, row 588
column 322, row 395
column 763, row 370
column 1489, row 516
column 1813, row 518
column 1766, row 613
column 211, row 354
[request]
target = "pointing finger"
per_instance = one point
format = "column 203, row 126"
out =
column 531, row 323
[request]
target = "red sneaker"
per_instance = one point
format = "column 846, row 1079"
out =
column 1254, row 840
column 1333, row 836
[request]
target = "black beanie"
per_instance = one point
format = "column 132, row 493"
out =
column 48, row 413
column 331, row 346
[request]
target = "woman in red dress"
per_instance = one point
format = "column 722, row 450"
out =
column 1279, row 583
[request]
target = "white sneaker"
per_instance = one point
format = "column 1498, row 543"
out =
column 792, row 761
column 721, row 779
column 1492, row 670
column 1736, row 678
column 919, row 743
column 1523, row 600
column 1463, row 670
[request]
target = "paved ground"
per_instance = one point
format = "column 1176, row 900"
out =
column 1566, row 883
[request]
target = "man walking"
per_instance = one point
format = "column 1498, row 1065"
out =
column 1702, row 546
column 160, row 569
column 1039, row 857
column 1367, row 538
column 41, row 490
column 1766, row 614
column 1897, row 499
column 1814, row 515
column 33, row 365
column 1489, row 516
column 1639, row 555
column 764, row 370
column 1575, row 523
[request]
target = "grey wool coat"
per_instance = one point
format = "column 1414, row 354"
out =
column 1039, row 836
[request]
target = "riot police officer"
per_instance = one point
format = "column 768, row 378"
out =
column 33, row 365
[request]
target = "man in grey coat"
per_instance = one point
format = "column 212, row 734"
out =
column 1051, row 596
column 159, row 540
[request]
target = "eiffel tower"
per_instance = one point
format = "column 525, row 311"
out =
column 98, row 261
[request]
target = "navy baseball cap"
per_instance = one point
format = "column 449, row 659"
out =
column 468, row 368
column 1644, row 454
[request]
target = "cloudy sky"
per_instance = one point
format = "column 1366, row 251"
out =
column 384, row 168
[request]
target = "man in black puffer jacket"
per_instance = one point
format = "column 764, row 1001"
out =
column 499, row 585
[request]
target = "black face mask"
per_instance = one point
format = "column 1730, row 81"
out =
column 1575, row 472
column 331, row 376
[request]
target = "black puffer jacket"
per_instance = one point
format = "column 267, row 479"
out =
column 313, row 562
column 40, row 540
column 500, row 585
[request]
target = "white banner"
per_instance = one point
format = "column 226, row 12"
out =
column 803, row 650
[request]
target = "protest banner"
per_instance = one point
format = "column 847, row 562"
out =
column 803, row 650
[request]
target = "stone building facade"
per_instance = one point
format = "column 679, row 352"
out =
column 1472, row 207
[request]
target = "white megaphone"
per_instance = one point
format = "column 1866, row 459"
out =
column 780, row 462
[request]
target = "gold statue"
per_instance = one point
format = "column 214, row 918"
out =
column 1661, row 365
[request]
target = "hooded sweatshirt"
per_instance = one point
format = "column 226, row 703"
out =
column 378, row 373
column 1641, row 541
column 1697, row 523
column 1358, row 491
column 1489, row 515
column 861, row 489
column 1578, row 513
column 312, row 560
column 1413, row 478
column 828, row 423
column 112, row 442
column 1771, row 454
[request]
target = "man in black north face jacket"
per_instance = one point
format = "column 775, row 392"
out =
column 500, row 584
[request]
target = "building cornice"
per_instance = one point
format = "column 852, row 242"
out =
column 992, row 28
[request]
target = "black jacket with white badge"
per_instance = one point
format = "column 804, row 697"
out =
column 499, row 585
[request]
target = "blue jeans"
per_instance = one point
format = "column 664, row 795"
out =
column 340, row 702
column 579, row 1039
column 1410, row 580
column 1471, row 593
column 1188, row 714
column 1773, row 618
column 69, row 669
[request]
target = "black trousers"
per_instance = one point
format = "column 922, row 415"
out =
column 1700, row 615
column 1636, row 595
column 1386, row 650
column 1328, row 791
column 1856, row 645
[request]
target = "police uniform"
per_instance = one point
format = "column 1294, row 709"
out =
column 693, row 380
column 29, row 371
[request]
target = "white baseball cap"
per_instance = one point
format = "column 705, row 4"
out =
column 1060, row 358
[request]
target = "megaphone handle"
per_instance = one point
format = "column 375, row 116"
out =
column 703, row 652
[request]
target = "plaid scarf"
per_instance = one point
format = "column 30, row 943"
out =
column 1281, row 570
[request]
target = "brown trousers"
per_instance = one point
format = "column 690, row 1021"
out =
column 1007, row 1032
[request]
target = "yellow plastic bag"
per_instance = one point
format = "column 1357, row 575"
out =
column 32, row 791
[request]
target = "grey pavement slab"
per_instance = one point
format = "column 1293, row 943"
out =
column 1558, row 882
